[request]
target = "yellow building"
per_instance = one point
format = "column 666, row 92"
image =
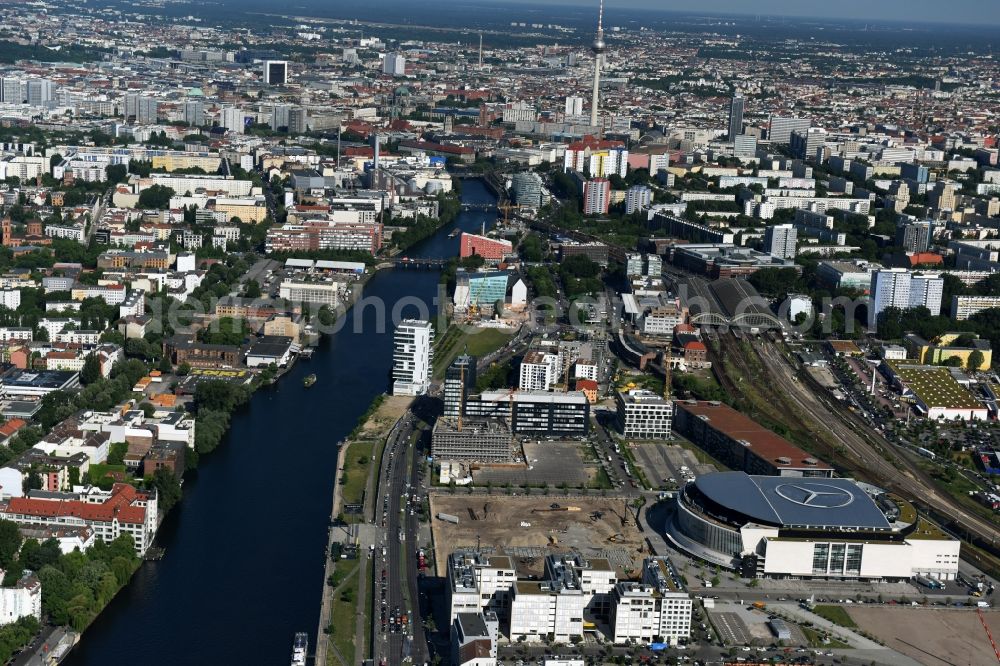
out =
column 949, row 346
column 282, row 325
column 172, row 162
column 248, row 210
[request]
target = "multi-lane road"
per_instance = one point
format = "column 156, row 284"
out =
column 396, row 625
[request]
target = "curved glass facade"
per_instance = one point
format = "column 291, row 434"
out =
column 715, row 537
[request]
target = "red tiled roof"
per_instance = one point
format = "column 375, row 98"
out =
column 918, row 258
column 118, row 505
column 696, row 345
column 12, row 426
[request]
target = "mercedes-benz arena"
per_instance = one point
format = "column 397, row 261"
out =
column 777, row 527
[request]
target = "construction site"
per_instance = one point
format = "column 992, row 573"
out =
column 529, row 528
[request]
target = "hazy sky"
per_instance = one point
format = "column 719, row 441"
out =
column 929, row 11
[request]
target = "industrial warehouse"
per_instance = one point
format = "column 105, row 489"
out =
column 779, row 527
column 740, row 443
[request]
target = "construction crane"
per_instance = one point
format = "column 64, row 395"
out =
column 461, row 394
column 506, row 209
column 667, row 362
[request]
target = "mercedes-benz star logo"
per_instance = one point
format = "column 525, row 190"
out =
column 815, row 495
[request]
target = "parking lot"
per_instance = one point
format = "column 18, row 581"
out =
column 661, row 462
column 731, row 628
column 551, row 463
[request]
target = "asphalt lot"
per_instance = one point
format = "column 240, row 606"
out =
column 661, row 462
column 552, row 463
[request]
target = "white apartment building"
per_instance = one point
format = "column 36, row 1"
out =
column 643, row 614
column 24, row 599
column 539, row 371
column 963, row 307
column 550, row 608
column 584, row 370
column 10, row 298
column 900, row 288
column 121, row 510
column 779, row 240
column 55, row 325
column 412, row 354
column 134, row 304
column 323, row 293
column 77, row 337
column 643, row 414
column 8, row 333
column 662, row 320
column 479, row 582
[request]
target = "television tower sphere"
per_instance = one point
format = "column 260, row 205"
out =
column 599, row 45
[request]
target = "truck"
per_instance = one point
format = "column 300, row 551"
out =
column 759, row 605
column 421, row 560
column 448, row 518
column 929, row 582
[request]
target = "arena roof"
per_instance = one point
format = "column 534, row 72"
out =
column 794, row 501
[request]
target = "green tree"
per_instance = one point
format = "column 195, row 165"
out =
column 168, row 488
column 252, row 289
column 156, row 196
column 10, row 543
column 976, row 360
column 91, row 371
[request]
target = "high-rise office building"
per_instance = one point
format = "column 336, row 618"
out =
column 11, row 91
column 394, row 64
column 781, row 128
column 915, row 236
column 574, row 106
column 275, row 72
column 779, row 241
column 744, row 145
column 528, row 189
column 899, row 288
column 736, row 116
column 459, row 382
column 596, row 196
column 194, row 113
column 411, row 359
column 805, row 144
column 39, row 91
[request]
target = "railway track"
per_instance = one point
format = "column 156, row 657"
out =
column 792, row 395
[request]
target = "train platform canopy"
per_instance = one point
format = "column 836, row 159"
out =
column 728, row 302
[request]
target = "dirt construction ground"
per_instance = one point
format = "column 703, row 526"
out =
column 933, row 637
column 497, row 528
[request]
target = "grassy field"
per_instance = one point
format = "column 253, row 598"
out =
column 815, row 640
column 835, row 614
column 354, row 478
column 344, row 614
column 478, row 342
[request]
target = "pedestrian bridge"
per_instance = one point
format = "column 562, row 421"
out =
column 419, row 263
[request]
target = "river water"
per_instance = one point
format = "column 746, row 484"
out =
column 243, row 569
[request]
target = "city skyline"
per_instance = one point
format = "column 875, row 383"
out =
column 960, row 12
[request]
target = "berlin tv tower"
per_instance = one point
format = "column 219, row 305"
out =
column 598, row 49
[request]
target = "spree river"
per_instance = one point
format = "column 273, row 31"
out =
column 243, row 569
